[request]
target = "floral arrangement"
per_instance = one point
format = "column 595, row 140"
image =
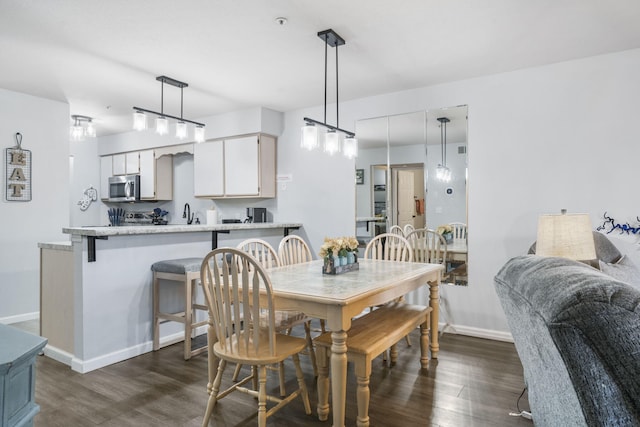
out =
column 444, row 229
column 338, row 246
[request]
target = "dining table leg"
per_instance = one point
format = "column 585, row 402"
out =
column 434, row 303
column 338, row 376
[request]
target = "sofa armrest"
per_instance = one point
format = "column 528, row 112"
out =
column 577, row 332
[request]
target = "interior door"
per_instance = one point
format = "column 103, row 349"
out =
column 405, row 201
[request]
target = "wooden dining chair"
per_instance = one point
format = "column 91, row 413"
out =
column 389, row 247
column 262, row 251
column 428, row 246
column 459, row 230
column 286, row 320
column 294, row 250
column 396, row 229
column 242, row 321
column 408, row 228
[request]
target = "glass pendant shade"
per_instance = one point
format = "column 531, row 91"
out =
column 90, row 131
column 181, row 130
column 309, row 138
column 350, row 147
column 198, row 134
column 139, row 120
column 443, row 173
column 331, row 143
column 76, row 132
column 162, row 126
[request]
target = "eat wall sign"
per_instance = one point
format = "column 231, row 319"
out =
column 18, row 167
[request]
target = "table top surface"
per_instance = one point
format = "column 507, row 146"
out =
column 306, row 281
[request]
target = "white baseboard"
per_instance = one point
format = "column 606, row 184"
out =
column 477, row 332
column 57, row 354
column 20, row 318
column 84, row 366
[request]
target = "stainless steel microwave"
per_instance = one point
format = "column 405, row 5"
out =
column 124, row 188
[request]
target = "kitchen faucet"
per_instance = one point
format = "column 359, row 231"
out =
column 186, row 213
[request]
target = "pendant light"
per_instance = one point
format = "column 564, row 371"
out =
column 162, row 121
column 443, row 173
column 82, row 126
column 310, row 134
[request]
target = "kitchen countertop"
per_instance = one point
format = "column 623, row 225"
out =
column 126, row 230
column 60, row 246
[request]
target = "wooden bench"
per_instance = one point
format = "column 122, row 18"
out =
column 369, row 336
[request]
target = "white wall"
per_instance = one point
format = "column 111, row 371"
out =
column 540, row 139
column 44, row 125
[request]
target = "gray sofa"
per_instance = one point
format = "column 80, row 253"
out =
column 577, row 332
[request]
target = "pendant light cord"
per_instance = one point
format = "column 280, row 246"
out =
column 161, row 97
column 326, row 46
column 444, row 144
column 337, row 103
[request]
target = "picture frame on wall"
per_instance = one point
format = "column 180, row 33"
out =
column 359, row 176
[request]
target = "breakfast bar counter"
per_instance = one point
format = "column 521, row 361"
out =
column 104, row 274
column 176, row 228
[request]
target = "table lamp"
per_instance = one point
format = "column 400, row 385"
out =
column 565, row 235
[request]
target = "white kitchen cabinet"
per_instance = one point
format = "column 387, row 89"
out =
column 126, row 163
column 119, row 164
column 208, row 169
column 242, row 167
column 156, row 176
column 132, row 163
column 106, row 171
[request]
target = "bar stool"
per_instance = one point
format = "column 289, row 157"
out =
column 187, row 272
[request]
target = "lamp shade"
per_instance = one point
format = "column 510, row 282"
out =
column 350, row 147
column 198, row 134
column 565, row 235
column 309, row 138
column 331, row 143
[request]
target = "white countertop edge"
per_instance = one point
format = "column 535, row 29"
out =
column 173, row 228
column 60, row 246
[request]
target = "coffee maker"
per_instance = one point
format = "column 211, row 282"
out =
column 256, row 214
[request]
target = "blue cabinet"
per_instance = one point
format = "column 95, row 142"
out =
column 18, row 352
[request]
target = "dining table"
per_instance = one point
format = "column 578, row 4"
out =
column 339, row 298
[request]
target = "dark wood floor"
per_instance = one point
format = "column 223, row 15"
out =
column 475, row 382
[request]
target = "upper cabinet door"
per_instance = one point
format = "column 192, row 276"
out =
column 208, row 169
column 242, row 168
column 132, row 164
column 119, row 162
column 106, row 171
column 147, row 174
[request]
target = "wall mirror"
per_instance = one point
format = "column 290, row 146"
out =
column 400, row 156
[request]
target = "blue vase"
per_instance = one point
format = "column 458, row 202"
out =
column 351, row 258
column 343, row 260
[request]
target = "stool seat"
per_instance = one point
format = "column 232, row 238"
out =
column 185, row 271
column 177, row 266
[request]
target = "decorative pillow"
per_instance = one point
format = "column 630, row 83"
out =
column 624, row 270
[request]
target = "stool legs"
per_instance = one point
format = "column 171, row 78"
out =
column 188, row 313
column 156, row 310
column 189, row 282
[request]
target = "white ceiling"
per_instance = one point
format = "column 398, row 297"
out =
column 102, row 57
